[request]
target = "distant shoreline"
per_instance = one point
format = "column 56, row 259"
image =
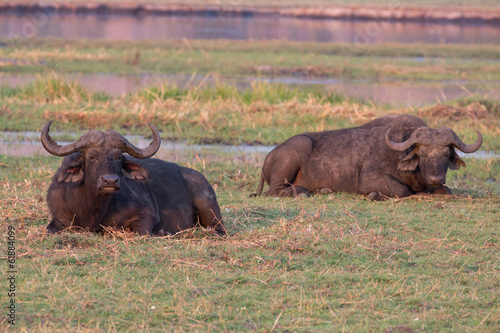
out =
column 457, row 15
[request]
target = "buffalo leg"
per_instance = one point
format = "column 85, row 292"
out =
column 55, row 226
column 286, row 190
column 441, row 190
column 175, row 220
column 282, row 167
column 380, row 188
column 143, row 223
column 207, row 210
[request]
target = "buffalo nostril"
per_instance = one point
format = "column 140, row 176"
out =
column 436, row 179
column 110, row 180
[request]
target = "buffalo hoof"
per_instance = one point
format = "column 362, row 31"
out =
column 324, row 191
column 441, row 190
column 377, row 196
column 51, row 230
column 55, row 227
column 162, row 233
column 221, row 231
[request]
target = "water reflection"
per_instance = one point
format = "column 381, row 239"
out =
column 242, row 28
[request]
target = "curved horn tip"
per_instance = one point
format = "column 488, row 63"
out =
column 152, row 127
column 156, row 133
column 144, row 152
column 47, row 125
column 472, row 147
column 399, row 146
column 479, row 137
column 479, row 140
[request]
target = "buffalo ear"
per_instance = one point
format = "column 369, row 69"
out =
column 135, row 171
column 410, row 162
column 455, row 161
column 71, row 170
column 71, row 174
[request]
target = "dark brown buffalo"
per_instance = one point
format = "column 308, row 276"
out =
column 98, row 186
column 391, row 156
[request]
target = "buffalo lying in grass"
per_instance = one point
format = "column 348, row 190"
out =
column 98, row 186
column 391, row 156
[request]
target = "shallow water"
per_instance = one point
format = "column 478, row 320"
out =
column 395, row 93
column 28, row 144
column 242, row 28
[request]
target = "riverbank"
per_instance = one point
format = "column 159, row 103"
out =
column 449, row 14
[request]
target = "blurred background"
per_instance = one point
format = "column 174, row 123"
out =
column 402, row 53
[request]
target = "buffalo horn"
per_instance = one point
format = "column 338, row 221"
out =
column 399, row 146
column 55, row 149
column 142, row 152
column 469, row 148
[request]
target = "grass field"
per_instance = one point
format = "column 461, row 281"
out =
column 325, row 263
column 256, row 58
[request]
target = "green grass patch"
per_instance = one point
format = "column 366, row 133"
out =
column 324, row 263
column 256, row 58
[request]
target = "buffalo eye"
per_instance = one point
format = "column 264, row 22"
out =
column 93, row 157
column 94, row 154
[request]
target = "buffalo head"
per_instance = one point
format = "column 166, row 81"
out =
column 97, row 159
column 432, row 151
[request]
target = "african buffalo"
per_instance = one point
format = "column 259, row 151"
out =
column 98, row 186
column 391, row 156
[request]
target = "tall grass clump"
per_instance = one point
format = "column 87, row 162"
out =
column 163, row 92
column 54, row 88
column 275, row 93
column 51, row 89
column 258, row 91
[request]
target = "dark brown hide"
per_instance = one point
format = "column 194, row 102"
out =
column 97, row 186
column 391, row 156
